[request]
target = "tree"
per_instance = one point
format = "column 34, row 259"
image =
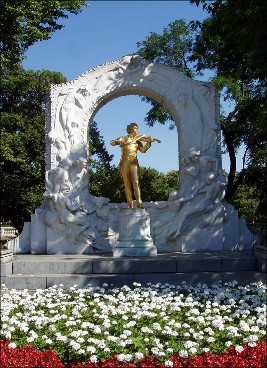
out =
column 237, row 31
column 154, row 185
column 246, row 202
column 173, row 48
column 22, row 23
column 219, row 44
column 232, row 42
column 157, row 186
column 22, row 117
column 97, row 148
column 106, row 182
column 23, row 97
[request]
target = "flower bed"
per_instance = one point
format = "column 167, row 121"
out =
column 243, row 357
column 156, row 325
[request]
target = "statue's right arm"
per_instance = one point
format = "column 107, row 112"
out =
column 115, row 142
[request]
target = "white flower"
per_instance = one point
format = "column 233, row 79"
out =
column 97, row 330
column 93, row 359
column 244, row 326
column 124, row 357
column 254, row 329
column 186, row 325
column 157, row 326
column 188, row 344
column 210, row 339
column 80, row 339
column 251, row 339
column 193, row 350
column 12, row 345
column 239, row 348
column 155, row 351
column 75, row 334
column 130, row 324
column 139, row 356
column 183, row 354
column 30, row 339
column 75, row 345
column 91, row 349
column 252, row 344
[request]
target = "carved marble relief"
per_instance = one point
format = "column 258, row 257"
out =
column 70, row 210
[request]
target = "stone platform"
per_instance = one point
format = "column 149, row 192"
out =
column 42, row 271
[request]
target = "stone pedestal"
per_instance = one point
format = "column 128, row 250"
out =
column 6, row 258
column 134, row 234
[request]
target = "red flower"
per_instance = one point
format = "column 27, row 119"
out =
column 28, row 356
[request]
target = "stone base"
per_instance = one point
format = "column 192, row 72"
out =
column 134, row 234
column 59, row 245
column 142, row 248
column 261, row 258
column 6, row 258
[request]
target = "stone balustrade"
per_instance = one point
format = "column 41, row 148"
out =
column 8, row 232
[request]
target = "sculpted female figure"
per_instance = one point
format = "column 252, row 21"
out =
column 129, row 167
column 199, row 202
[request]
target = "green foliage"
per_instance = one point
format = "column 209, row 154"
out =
column 155, row 186
column 232, row 43
column 247, row 204
column 22, row 118
column 23, row 98
column 107, row 182
column 97, row 148
column 173, row 48
column 23, row 23
column 233, row 38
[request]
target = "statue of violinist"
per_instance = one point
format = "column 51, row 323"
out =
column 129, row 167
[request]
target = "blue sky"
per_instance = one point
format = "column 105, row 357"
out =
column 106, row 31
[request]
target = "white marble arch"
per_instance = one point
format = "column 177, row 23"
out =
column 193, row 105
column 195, row 218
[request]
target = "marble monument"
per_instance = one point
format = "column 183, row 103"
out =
column 195, row 217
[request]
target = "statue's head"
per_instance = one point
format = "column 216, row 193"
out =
column 100, row 201
column 130, row 128
column 194, row 155
column 173, row 195
column 64, row 189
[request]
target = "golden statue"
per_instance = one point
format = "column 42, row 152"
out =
column 129, row 167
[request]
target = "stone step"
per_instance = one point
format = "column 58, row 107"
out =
column 177, row 262
column 42, row 281
column 32, row 272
